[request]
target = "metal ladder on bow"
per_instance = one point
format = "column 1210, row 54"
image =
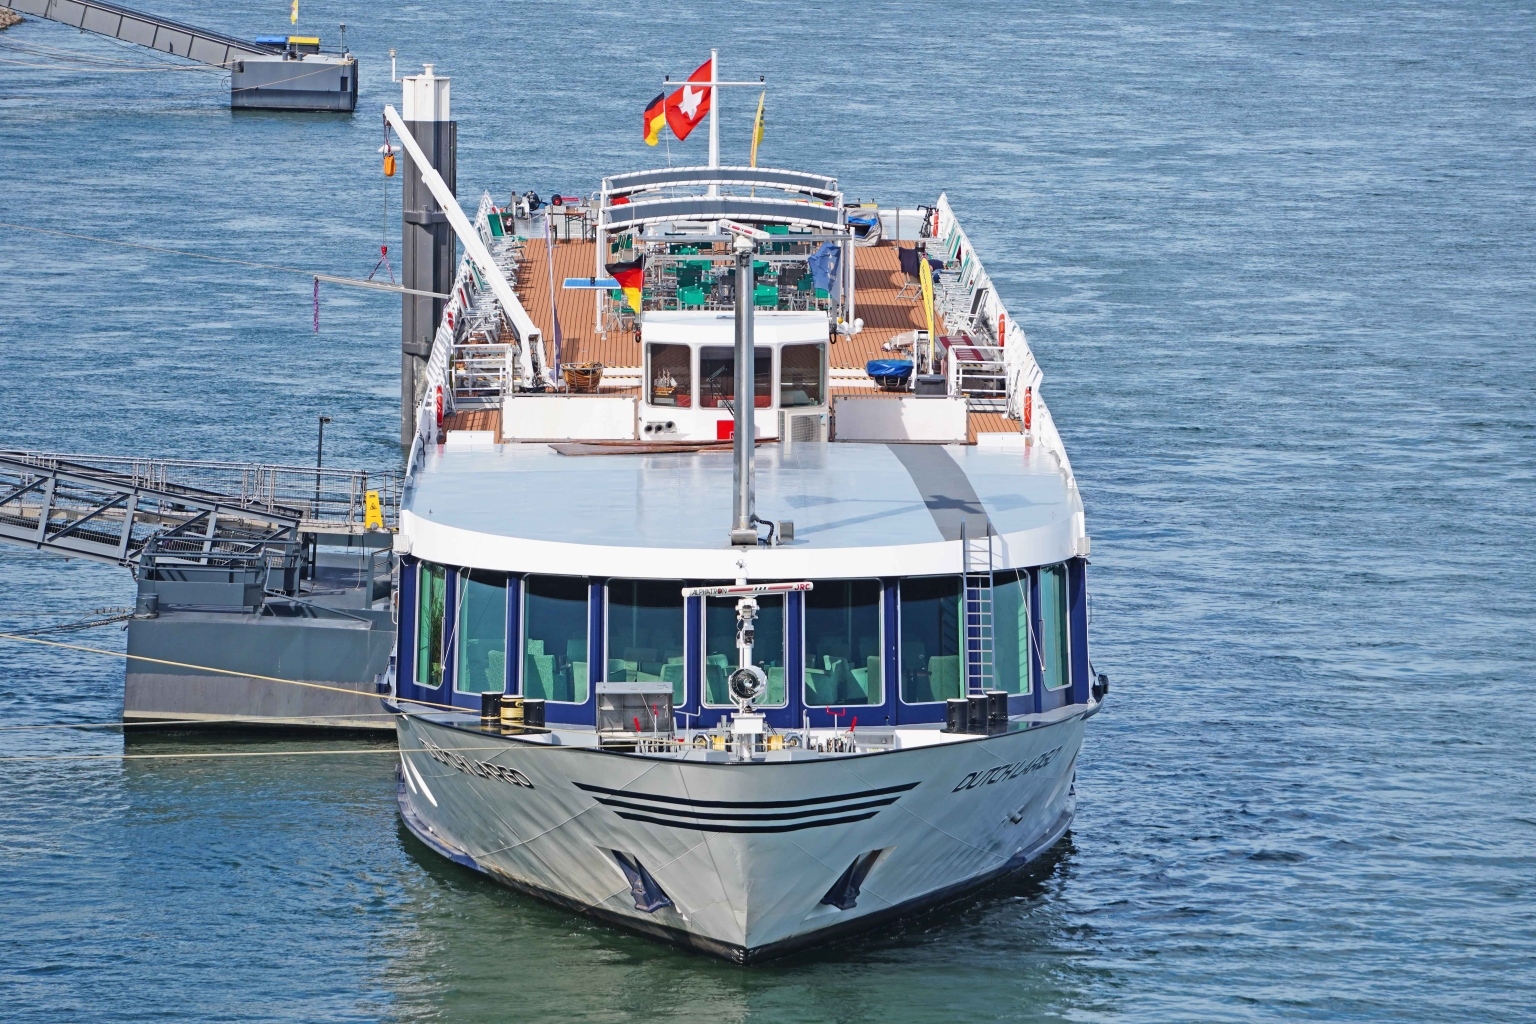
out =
column 977, row 555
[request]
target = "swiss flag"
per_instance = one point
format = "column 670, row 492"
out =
column 687, row 107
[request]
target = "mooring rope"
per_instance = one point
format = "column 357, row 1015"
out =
column 198, row 755
column 218, row 671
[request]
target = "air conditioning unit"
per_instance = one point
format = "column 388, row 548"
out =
column 797, row 427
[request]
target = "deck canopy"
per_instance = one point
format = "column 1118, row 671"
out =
column 818, row 185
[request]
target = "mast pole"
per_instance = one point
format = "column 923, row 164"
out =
column 714, row 116
column 744, row 514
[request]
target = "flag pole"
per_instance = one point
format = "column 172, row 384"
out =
column 714, row 117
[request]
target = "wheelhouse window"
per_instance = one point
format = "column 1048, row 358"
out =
column 669, row 378
column 555, row 638
column 842, row 643
column 1053, row 627
column 645, row 634
column 721, row 658
column 717, row 376
column 482, row 633
column 931, row 642
column 802, row 378
column 1013, row 635
column 431, row 601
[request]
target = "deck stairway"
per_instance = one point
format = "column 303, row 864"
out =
column 483, row 367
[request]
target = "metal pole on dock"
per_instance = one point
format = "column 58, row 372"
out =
column 319, row 454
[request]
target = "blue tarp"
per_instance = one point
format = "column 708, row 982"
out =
column 888, row 367
column 824, row 269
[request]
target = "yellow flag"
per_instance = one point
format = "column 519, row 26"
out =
column 293, row 16
column 757, row 126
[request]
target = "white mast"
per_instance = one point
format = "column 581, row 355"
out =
column 714, row 117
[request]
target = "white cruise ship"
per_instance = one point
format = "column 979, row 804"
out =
column 740, row 676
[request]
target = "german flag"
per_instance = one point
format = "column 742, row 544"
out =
column 655, row 117
column 631, row 278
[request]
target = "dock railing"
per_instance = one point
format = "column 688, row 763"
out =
column 319, row 498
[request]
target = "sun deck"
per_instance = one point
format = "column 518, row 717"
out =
column 888, row 304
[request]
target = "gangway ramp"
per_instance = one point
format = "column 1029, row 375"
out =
column 292, row 75
column 147, row 30
column 111, row 508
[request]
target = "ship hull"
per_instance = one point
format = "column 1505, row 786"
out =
column 742, row 861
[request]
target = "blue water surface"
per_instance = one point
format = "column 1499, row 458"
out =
column 1277, row 263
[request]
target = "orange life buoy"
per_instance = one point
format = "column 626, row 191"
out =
column 389, row 165
column 1029, row 407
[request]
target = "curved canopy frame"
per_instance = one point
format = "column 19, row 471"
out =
column 742, row 208
column 757, row 177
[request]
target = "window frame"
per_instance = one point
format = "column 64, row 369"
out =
column 778, row 375
column 1066, row 622
column 648, row 380
column 965, row 668
column 424, row 568
column 607, row 583
column 773, row 361
column 805, row 637
column 1025, row 582
column 703, row 653
column 523, row 592
column 466, row 576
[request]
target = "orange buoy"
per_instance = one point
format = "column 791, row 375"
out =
column 1029, row 407
column 389, row 165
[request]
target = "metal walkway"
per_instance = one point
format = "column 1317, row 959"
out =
column 117, row 510
column 146, row 30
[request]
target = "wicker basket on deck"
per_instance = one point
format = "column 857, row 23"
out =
column 582, row 377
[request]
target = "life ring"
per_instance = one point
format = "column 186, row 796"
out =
column 557, row 200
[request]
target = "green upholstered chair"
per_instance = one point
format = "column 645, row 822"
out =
column 820, row 688
column 944, row 677
column 675, row 673
column 539, row 675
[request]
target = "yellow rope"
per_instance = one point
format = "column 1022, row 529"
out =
column 209, row 668
column 244, row 753
column 264, row 720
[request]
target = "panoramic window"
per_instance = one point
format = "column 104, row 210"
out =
column 669, row 381
column 1053, row 627
column 555, row 638
column 482, row 634
column 720, row 657
column 1013, row 636
column 842, row 643
column 931, row 666
column 717, row 376
column 800, row 375
column 431, row 596
column 645, row 634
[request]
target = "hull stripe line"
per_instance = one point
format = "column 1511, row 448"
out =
column 779, row 816
column 744, row 804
